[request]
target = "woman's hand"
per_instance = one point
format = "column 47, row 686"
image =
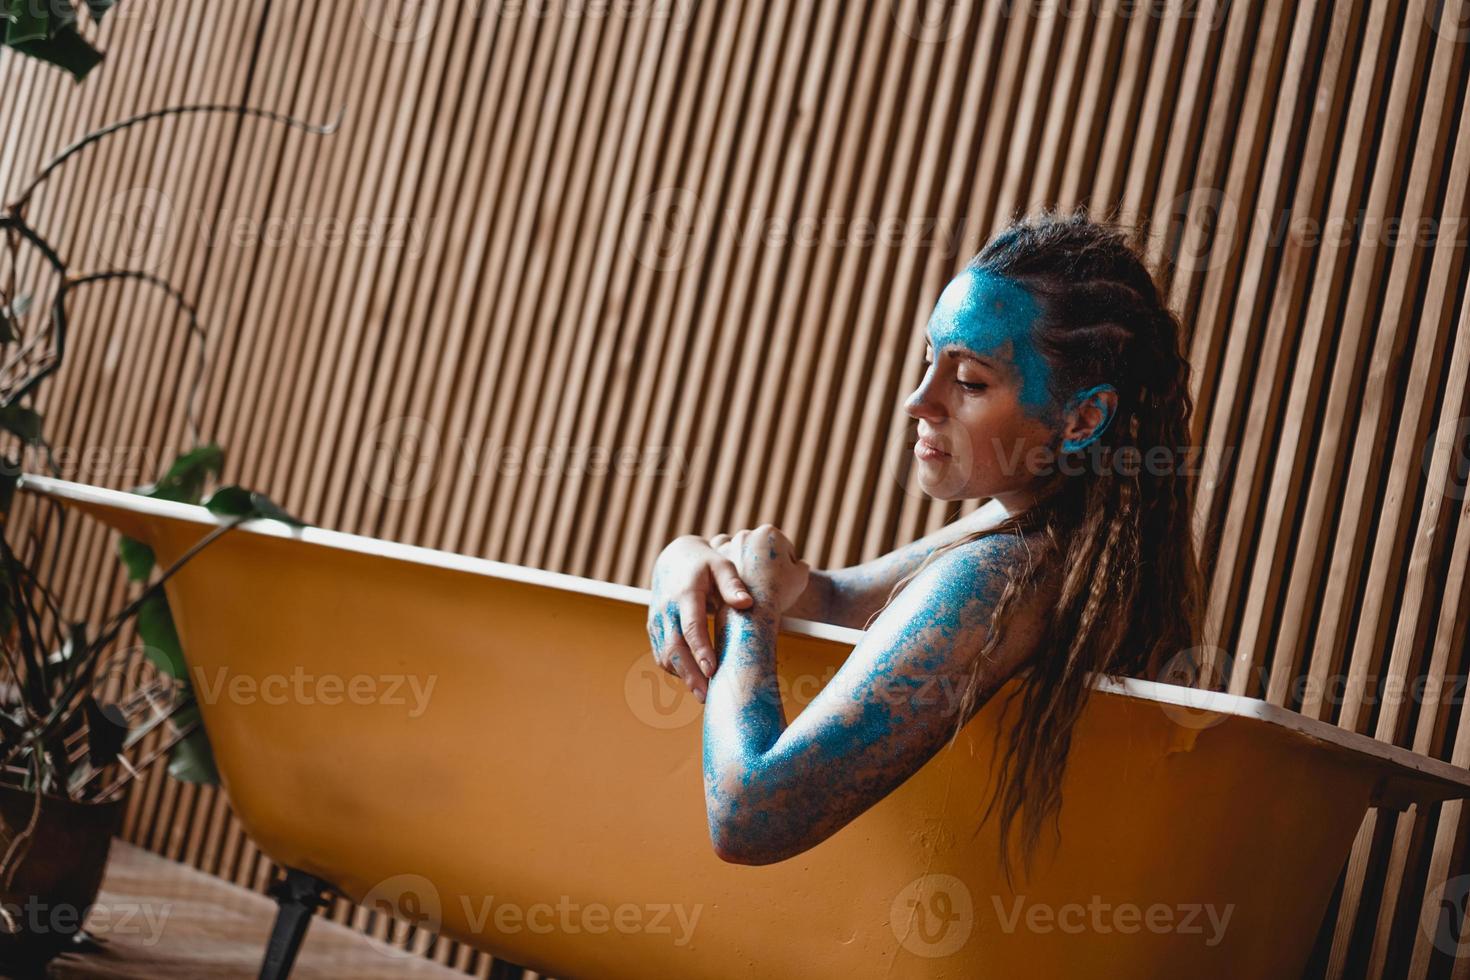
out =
column 689, row 578
column 767, row 563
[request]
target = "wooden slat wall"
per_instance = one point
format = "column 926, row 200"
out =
column 638, row 227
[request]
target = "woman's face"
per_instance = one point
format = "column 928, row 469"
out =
column 984, row 408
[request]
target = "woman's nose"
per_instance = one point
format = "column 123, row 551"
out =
column 921, row 403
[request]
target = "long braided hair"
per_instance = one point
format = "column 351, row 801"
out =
column 1112, row 539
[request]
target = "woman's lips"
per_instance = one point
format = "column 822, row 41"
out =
column 924, row 449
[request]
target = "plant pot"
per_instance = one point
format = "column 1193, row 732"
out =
column 57, row 880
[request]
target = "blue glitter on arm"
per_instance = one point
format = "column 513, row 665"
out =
column 773, row 790
column 850, row 596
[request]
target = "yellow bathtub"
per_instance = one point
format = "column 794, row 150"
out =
column 489, row 749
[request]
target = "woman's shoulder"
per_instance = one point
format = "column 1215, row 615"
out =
column 1010, row 552
column 995, row 561
column 972, row 608
column 984, row 568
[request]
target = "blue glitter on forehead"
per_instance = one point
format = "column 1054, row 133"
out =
column 985, row 313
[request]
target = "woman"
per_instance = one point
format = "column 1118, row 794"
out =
column 1056, row 388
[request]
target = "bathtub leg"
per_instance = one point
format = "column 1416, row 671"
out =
column 297, row 897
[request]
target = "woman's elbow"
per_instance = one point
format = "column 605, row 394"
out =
column 733, row 843
column 749, row 838
column 735, row 849
column 736, row 853
column 736, row 839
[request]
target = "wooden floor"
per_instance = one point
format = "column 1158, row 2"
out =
column 157, row 919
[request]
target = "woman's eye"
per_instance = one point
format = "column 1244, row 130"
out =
column 974, row 385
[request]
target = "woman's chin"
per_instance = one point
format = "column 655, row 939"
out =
column 931, row 478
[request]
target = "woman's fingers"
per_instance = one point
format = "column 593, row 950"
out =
column 674, row 656
column 696, row 631
column 727, row 577
column 683, row 667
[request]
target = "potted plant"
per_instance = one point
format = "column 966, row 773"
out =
column 82, row 714
column 74, row 734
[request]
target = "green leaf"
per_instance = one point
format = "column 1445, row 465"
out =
column 230, row 501
column 192, row 760
column 107, row 730
column 62, row 11
column 183, row 483
column 136, row 556
column 160, row 637
column 236, row 501
column 10, row 313
column 22, row 421
column 26, row 21
column 65, row 49
column 9, row 479
column 185, row 479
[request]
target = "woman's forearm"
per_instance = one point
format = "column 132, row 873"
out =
column 816, row 602
column 743, row 719
column 850, row 596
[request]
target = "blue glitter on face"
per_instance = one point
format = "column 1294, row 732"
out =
column 988, row 315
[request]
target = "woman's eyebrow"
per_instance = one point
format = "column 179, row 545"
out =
column 980, row 359
column 960, row 351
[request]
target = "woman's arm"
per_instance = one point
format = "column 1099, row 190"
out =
column 849, row 596
column 773, row 790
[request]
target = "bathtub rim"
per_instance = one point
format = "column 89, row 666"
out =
column 1426, row 767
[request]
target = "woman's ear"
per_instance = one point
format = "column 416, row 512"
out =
column 1087, row 417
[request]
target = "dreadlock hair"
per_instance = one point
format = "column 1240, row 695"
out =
column 1113, row 540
